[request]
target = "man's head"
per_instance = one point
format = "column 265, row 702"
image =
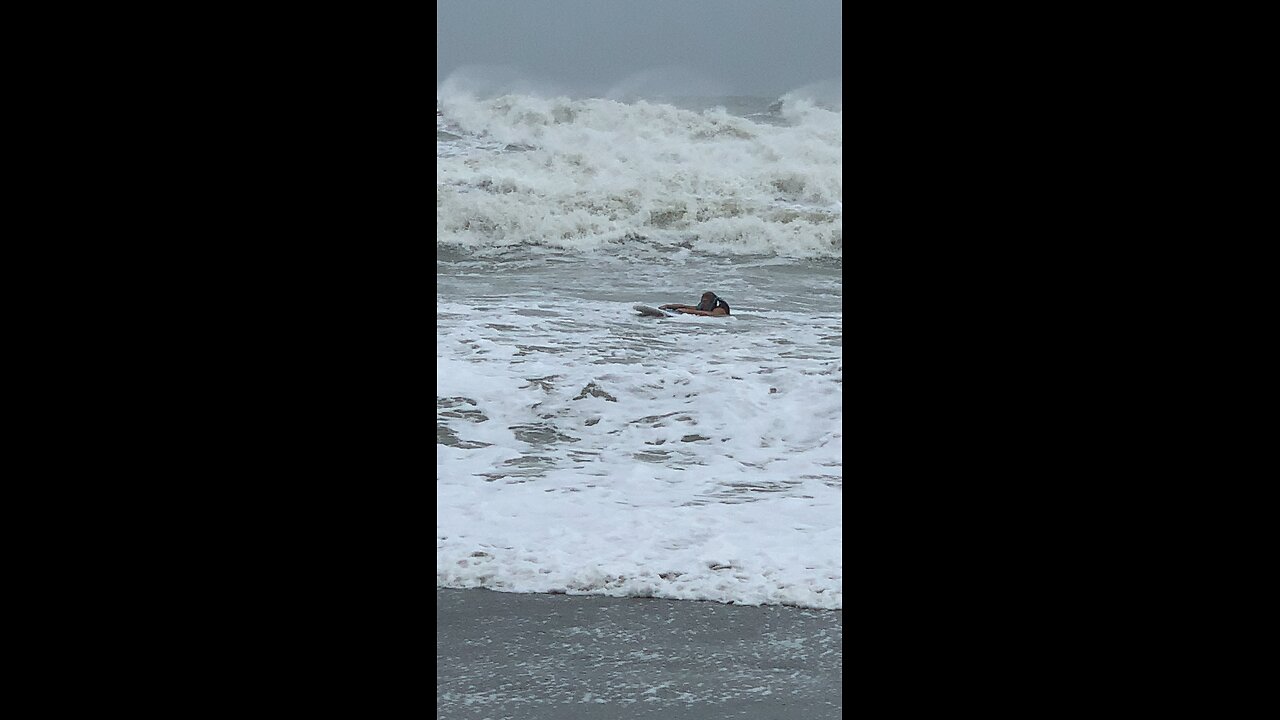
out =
column 708, row 301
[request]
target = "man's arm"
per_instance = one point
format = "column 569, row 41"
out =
column 674, row 306
column 689, row 310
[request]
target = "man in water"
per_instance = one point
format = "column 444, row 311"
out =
column 710, row 305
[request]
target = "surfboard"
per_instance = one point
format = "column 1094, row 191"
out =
column 650, row 311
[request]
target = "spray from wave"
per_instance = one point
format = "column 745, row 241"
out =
column 528, row 169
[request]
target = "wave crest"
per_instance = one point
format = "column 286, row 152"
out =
column 592, row 173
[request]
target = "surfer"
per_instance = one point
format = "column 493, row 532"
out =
column 711, row 305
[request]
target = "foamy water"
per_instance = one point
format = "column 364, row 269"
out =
column 582, row 448
column 587, row 174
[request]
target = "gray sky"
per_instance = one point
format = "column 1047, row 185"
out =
column 698, row 47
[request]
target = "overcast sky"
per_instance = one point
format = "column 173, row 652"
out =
column 700, row 47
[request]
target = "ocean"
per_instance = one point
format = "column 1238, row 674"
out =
column 582, row 448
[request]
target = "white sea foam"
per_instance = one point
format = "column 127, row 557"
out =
column 684, row 457
column 591, row 173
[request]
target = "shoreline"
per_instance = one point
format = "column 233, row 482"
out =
column 533, row 656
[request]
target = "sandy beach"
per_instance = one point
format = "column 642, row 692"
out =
column 532, row 656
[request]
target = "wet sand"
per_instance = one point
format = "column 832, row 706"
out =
column 532, row 656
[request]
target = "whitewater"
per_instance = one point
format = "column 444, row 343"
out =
column 582, row 448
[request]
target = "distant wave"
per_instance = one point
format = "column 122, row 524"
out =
column 593, row 174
